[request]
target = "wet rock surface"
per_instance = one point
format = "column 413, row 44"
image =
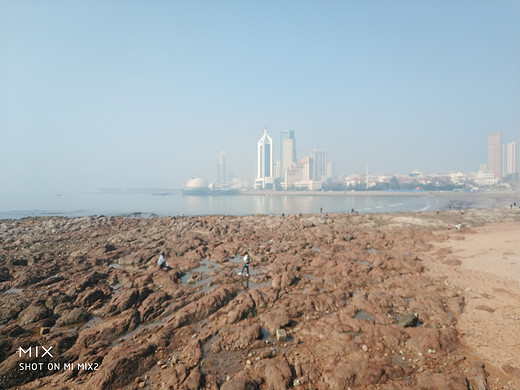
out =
column 332, row 303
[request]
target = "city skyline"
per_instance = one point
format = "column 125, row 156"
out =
column 314, row 170
column 123, row 94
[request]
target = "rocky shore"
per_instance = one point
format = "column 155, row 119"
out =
column 347, row 301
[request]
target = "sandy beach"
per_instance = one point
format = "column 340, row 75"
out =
column 378, row 301
column 484, row 264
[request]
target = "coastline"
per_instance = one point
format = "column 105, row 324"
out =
column 248, row 203
column 454, row 194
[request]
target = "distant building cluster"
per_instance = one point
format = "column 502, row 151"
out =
column 287, row 172
column 279, row 169
column 502, row 164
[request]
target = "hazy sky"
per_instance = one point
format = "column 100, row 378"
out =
column 146, row 93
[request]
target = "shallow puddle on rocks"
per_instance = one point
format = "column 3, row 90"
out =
column 248, row 284
column 203, row 275
column 205, row 268
column 13, row 291
column 364, row 316
column 93, row 322
column 196, row 282
column 266, row 335
column 128, row 267
column 366, row 263
column 239, row 260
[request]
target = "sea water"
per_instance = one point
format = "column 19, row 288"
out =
column 177, row 204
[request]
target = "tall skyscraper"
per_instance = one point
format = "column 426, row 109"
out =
column 495, row 154
column 264, row 173
column 511, row 158
column 221, row 168
column 287, row 151
column 319, row 158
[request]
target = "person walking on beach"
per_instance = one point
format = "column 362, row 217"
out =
column 247, row 260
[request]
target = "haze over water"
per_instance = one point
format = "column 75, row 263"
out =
column 176, row 204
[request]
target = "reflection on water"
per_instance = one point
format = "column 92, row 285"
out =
column 172, row 204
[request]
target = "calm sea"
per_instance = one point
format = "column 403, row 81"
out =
column 174, row 204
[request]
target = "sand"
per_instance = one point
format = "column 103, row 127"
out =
column 484, row 262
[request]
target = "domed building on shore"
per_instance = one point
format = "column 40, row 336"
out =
column 199, row 186
column 196, row 186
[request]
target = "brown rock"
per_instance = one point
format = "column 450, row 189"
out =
column 425, row 339
column 90, row 296
column 73, row 316
column 277, row 373
column 118, row 366
column 243, row 381
column 193, row 380
column 33, row 313
column 428, row 380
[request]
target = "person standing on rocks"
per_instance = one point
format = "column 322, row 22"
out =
column 247, row 260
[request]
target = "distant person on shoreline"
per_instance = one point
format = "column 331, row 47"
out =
column 247, row 260
column 162, row 263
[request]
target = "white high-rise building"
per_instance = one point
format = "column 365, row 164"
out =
column 511, row 158
column 265, row 166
